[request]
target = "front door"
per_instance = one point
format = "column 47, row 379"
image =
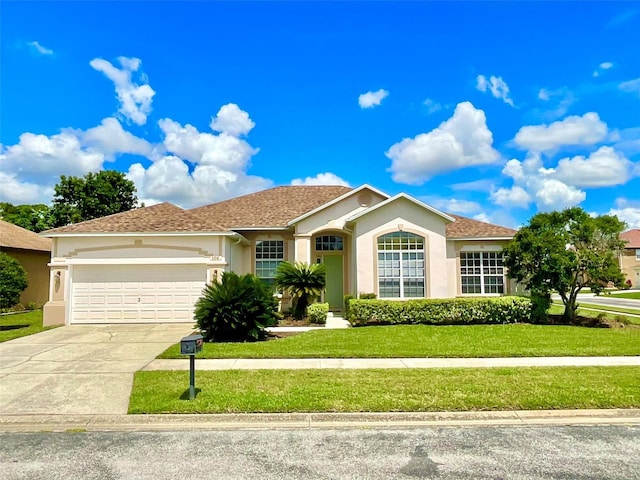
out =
column 335, row 289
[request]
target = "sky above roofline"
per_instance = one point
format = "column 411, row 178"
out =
column 491, row 110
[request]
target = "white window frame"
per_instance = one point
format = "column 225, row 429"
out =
column 482, row 271
column 276, row 255
column 404, row 250
column 638, row 254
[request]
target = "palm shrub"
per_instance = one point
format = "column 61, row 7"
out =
column 303, row 281
column 236, row 309
column 13, row 280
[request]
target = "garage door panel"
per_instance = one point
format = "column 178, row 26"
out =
column 136, row 293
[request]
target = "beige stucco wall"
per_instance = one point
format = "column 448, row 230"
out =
column 335, row 215
column 630, row 266
column 35, row 263
column 404, row 215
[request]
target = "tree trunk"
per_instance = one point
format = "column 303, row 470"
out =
column 570, row 307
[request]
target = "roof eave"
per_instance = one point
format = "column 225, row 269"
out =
column 468, row 238
column 134, row 234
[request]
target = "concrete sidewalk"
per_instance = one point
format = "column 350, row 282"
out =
column 256, row 421
column 360, row 363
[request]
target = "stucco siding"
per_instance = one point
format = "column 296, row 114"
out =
column 335, row 215
column 406, row 216
column 35, row 264
column 630, row 266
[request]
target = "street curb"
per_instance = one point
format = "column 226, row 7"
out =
column 257, row 421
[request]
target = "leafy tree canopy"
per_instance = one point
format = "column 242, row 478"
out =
column 13, row 280
column 566, row 251
column 32, row 217
column 95, row 195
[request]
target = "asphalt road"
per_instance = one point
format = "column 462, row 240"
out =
column 605, row 300
column 478, row 453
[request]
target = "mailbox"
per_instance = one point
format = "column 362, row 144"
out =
column 191, row 345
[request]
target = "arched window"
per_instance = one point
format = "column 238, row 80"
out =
column 401, row 265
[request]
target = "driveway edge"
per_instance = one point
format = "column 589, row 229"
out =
column 256, row 421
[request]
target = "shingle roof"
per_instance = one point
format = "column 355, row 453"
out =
column 164, row 217
column 465, row 227
column 13, row 236
column 270, row 208
column 632, row 237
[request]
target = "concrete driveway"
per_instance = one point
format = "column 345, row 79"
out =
column 79, row 369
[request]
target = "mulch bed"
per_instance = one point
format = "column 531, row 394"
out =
column 590, row 322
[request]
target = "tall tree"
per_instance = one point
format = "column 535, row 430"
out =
column 566, row 251
column 95, row 195
column 32, row 217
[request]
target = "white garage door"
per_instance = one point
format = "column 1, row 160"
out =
column 136, row 293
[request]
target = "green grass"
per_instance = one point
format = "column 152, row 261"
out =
column 413, row 390
column 519, row 340
column 28, row 323
column 632, row 295
column 557, row 308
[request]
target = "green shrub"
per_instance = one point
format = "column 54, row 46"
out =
column 32, row 306
column 13, row 280
column 540, row 303
column 368, row 296
column 236, row 309
column 317, row 312
column 347, row 299
column 447, row 311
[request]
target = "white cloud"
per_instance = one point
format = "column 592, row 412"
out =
column 601, row 68
column 224, row 151
column 574, row 130
column 372, row 99
column 135, row 100
column 631, row 86
column 111, row 139
column 453, row 205
column 483, row 185
column 432, row 105
column 496, row 85
column 544, row 94
column 169, row 179
column 558, row 102
column 46, row 157
column 464, row 140
column 629, row 215
column 603, row 168
column 36, row 47
column 232, row 120
column 326, row 178
column 533, row 182
column 514, row 196
column 482, row 217
column 22, row 192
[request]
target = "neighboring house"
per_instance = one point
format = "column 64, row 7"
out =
column 34, row 253
column 630, row 256
column 150, row 264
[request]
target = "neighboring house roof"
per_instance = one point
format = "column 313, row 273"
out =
column 632, row 237
column 464, row 227
column 13, row 236
column 164, row 217
column 272, row 208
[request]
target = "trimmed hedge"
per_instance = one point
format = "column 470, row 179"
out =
column 317, row 312
column 436, row 311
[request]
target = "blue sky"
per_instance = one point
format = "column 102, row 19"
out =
column 490, row 110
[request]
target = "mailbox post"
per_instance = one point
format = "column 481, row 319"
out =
column 190, row 346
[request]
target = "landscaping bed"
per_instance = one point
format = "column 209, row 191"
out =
column 410, row 390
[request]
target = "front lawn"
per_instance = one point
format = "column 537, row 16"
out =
column 632, row 295
column 592, row 310
column 419, row 341
column 20, row 325
column 410, row 390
